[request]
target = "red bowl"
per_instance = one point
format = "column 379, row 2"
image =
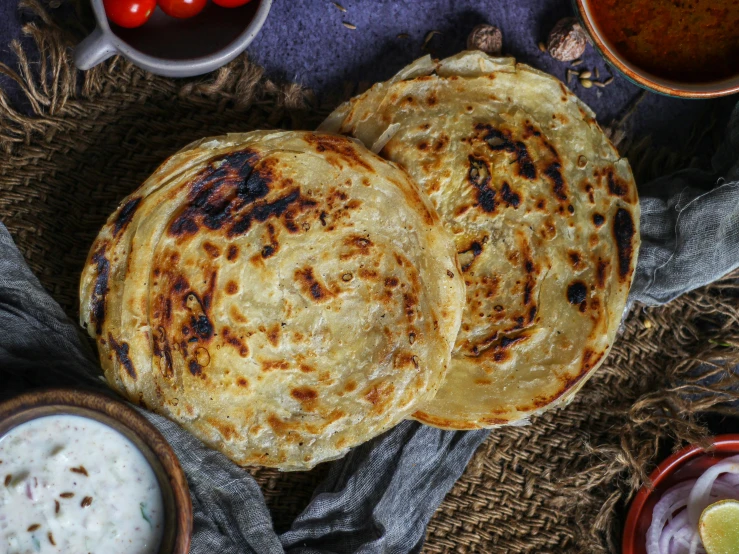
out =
column 689, row 463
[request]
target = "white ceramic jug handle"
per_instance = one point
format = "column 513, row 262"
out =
column 94, row 49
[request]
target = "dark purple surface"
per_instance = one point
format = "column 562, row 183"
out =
column 305, row 41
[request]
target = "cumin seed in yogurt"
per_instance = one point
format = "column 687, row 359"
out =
column 69, row 484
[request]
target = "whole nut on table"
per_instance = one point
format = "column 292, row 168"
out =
column 567, row 40
column 487, row 38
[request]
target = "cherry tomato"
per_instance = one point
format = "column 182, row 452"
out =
column 129, row 13
column 182, row 8
column 231, row 3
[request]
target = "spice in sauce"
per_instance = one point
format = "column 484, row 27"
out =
column 75, row 485
column 683, row 40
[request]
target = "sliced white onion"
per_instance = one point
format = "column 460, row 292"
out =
column 729, row 478
column 700, row 496
column 683, row 540
column 671, row 529
column 677, row 508
column 694, row 542
column 681, row 544
column 674, row 527
column 673, row 499
column 722, row 491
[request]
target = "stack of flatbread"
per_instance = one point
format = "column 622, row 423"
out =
column 454, row 245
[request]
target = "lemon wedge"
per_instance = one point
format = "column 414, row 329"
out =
column 719, row 527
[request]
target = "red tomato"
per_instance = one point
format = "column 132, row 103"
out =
column 129, row 13
column 231, row 3
column 182, row 8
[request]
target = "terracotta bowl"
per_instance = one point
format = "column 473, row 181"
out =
column 689, row 463
column 644, row 78
column 115, row 414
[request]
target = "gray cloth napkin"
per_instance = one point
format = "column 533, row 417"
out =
column 380, row 497
column 689, row 227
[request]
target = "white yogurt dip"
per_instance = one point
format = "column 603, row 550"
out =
column 71, row 485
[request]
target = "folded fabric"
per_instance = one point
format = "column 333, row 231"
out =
column 380, row 497
column 690, row 231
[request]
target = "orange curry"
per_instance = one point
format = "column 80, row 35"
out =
column 684, row 40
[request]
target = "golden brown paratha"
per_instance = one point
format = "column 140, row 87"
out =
column 544, row 213
column 282, row 295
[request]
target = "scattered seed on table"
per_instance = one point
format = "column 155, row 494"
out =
column 586, row 75
column 542, row 47
column 598, row 84
column 33, row 527
column 51, row 538
column 571, row 73
column 67, row 495
column 608, row 81
column 349, row 25
column 86, row 501
column 586, row 83
column 339, row 7
column 56, row 506
column 403, row 35
column 576, row 63
column 428, row 38
column 80, row 469
column 8, row 478
column 597, row 76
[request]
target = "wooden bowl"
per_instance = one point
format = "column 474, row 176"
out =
column 643, row 77
column 689, row 463
column 125, row 420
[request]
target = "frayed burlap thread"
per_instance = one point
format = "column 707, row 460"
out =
column 561, row 484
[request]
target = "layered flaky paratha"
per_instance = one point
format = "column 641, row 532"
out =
column 544, row 213
column 284, row 296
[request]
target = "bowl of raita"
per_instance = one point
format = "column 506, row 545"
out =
column 83, row 472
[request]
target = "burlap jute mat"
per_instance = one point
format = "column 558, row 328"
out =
column 560, row 484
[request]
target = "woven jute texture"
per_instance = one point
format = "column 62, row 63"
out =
column 561, row 484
